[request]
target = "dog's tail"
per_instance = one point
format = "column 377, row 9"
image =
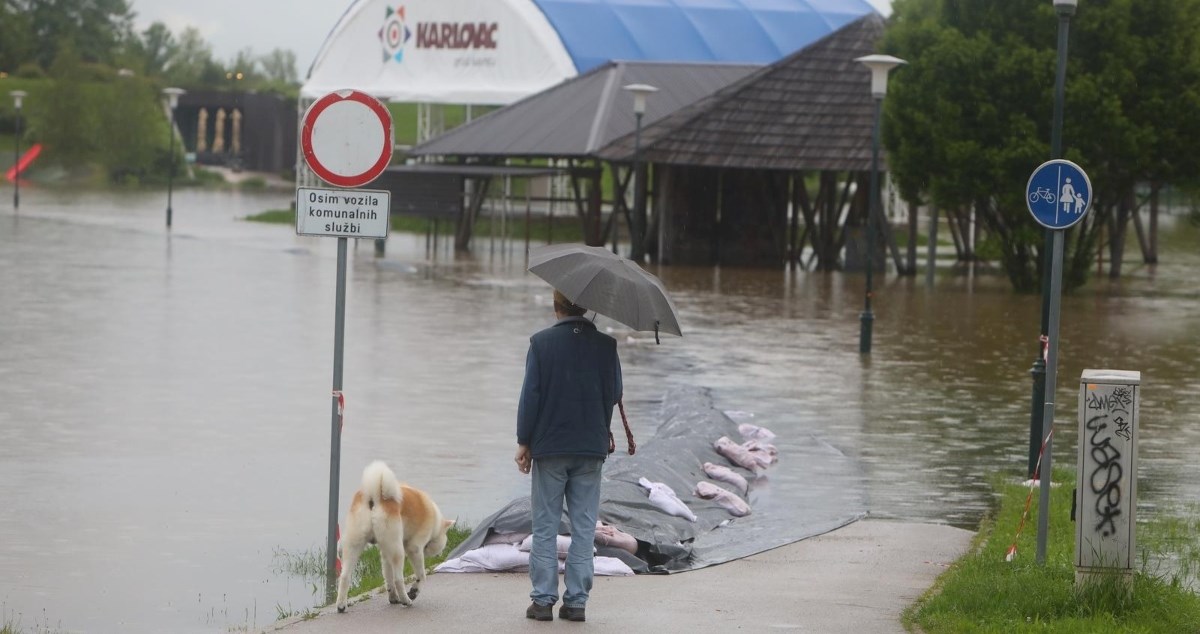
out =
column 379, row 483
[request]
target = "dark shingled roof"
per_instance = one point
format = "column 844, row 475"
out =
column 583, row 114
column 812, row 110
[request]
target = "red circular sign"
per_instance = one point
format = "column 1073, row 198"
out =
column 346, row 138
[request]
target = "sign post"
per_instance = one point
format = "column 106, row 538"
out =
column 346, row 140
column 1058, row 194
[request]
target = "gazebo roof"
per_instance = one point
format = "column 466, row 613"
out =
column 812, row 110
column 578, row 117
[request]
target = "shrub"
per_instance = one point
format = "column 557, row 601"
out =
column 30, row 70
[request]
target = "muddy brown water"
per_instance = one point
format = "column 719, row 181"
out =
column 165, row 420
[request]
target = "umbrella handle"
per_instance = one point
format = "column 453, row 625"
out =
column 656, row 341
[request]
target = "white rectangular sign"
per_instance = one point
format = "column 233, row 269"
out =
column 342, row 213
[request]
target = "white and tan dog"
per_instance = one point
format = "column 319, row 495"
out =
column 397, row 518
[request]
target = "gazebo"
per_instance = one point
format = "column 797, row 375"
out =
column 738, row 156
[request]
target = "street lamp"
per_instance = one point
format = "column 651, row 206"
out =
column 638, row 248
column 1039, row 427
column 880, row 66
column 17, row 96
column 172, row 95
column 1065, row 9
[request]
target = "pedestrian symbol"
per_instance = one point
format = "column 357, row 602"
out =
column 1059, row 194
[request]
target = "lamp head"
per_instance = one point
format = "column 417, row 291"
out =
column 172, row 95
column 17, row 96
column 1065, row 7
column 640, row 92
column 880, row 65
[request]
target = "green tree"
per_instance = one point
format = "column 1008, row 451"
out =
column 93, row 28
column 969, row 118
column 132, row 129
column 17, row 43
column 66, row 118
column 279, row 66
column 154, row 49
column 118, row 125
column 244, row 67
column 192, row 62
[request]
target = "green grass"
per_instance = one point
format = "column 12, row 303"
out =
column 310, row 567
column 369, row 574
column 983, row 593
column 404, row 119
column 564, row 229
column 12, row 624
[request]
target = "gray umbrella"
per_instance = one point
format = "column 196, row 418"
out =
column 599, row 280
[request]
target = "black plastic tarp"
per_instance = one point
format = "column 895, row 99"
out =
column 813, row 489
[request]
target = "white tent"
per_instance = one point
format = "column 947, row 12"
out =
column 493, row 52
column 441, row 51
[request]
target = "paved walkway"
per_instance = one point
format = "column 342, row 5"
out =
column 856, row 579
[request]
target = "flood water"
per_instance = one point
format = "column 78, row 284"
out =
column 165, row 396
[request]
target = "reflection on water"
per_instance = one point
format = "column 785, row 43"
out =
column 165, row 426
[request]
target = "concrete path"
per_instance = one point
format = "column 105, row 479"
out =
column 856, row 579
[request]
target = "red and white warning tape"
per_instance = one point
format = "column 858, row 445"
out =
column 341, row 399
column 1037, row 470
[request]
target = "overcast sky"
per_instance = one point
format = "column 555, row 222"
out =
column 262, row 25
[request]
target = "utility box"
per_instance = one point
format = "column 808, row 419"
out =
column 1106, row 494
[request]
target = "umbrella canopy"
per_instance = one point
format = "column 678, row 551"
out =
column 599, row 280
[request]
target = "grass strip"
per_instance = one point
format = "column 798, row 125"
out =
column 368, row 575
column 981, row 592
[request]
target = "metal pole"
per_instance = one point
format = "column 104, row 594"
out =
column 171, row 168
column 616, row 224
column 1051, row 371
column 867, row 317
column 661, row 219
column 1038, row 372
column 17, row 166
column 335, row 431
column 637, row 249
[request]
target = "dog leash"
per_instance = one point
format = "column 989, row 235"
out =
column 612, row 444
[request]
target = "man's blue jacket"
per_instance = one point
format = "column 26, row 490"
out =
column 572, row 383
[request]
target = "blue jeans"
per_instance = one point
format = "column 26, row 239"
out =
column 577, row 479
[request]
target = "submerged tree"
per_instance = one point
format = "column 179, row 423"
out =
column 969, row 118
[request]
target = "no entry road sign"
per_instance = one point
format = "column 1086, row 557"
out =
column 1059, row 194
column 346, row 138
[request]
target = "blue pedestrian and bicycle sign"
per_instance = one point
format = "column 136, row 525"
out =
column 1059, row 194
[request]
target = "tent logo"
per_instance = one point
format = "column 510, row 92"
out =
column 394, row 34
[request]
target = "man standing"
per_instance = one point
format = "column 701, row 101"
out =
column 572, row 382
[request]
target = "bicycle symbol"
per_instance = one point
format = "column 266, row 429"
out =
column 1043, row 193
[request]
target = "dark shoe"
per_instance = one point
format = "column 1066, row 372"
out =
column 568, row 613
column 539, row 612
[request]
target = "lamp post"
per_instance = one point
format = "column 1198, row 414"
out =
column 880, row 66
column 172, row 95
column 1065, row 9
column 1039, row 427
column 637, row 248
column 18, row 96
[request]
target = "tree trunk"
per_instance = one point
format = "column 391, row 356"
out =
column 1118, row 229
